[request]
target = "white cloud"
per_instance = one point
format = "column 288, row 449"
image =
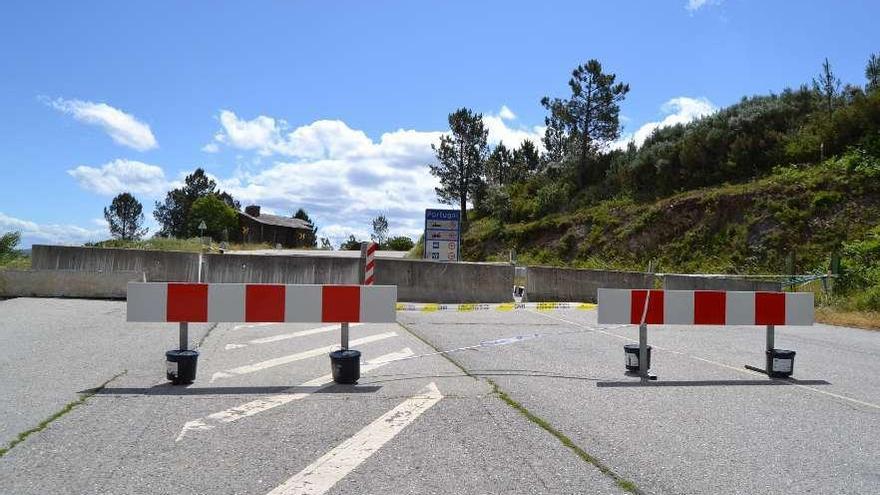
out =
column 506, row 113
column 340, row 175
column 694, row 5
column 34, row 233
column 679, row 110
column 121, row 176
column 124, row 128
column 501, row 128
column 210, row 148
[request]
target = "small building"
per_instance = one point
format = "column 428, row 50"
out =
column 255, row 227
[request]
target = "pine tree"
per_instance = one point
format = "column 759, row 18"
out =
column 588, row 121
column 461, row 158
column 827, row 85
column 125, row 217
column 872, row 72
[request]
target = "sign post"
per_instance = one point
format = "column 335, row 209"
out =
column 442, row 235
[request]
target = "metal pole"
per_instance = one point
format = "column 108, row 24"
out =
column 184, row 336
column 771, row 337
column 345, row 336
column 363, row 263
column 643, row 351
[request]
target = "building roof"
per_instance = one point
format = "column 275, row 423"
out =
column 293, row 223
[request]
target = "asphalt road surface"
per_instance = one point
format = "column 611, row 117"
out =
column 519, row 402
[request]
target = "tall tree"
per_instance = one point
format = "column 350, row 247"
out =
column 311, row 238
column 219, row 217
column 125, row 216
column 526, row 160
column 872, row 72
column 827, row 86
column 174, row 213
column 461, row 158
column 8, row 243
column 588, row 120
column 380, row 230
column 499, row 166
column 555, row 138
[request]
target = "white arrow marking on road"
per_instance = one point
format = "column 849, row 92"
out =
column 260, row 405
column 271, row 363
column 321, row 475
column 253, row 325
column 285, row 336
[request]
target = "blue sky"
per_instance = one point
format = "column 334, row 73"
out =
column 332, row 106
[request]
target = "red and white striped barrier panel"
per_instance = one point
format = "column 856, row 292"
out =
column 705, row 307
column 192, row 302
column 370, row 266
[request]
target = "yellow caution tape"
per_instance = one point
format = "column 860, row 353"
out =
column 468, row 307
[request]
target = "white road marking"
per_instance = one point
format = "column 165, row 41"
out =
column 321, row 475
column 234, row 346
column 253, row 325
column 716, row 363
column 264, row 404
column 271, row 363
column 301, row 333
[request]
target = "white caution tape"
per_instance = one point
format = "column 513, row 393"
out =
column 540, row 306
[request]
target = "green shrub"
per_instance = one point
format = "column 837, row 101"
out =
column 826, row 199
column 399, row 243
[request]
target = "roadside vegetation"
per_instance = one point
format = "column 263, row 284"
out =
column 11, row 258
column 775, row 184
column 193, row 245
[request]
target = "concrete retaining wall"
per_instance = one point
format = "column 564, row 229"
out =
column 160, row 266
column 568, row 284
column 683, row 282
column 432, row 281
column 65, row 283
column 417, row 280
column 229, row 268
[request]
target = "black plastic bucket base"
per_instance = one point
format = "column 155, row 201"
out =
column 780, row 363
column 346, row 366
column 631, row 351
column 180, row 366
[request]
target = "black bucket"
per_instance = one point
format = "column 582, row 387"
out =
column 346, row 366
column 632, row 357
column 780, row 362
column 180, row 366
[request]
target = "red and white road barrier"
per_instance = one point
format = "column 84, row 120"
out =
column 705, row 307
column 193, row 302
column 370, row 265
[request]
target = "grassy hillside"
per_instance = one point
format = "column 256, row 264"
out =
column 811, row 211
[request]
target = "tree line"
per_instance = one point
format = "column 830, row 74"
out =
column 199, row 200
column 579, row 166
column 183, row 211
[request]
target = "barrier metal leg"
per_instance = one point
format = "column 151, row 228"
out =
column 643, row 354
column 344, row 336
column 184, row 336
column 771, row 343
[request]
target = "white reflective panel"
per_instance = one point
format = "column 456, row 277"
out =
column 740, row 308
column 614, row 306
column 226, row 303
column 678, row 307
column 146, row 301
column 378, row 304
column 799, row 308
column 302, row 303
